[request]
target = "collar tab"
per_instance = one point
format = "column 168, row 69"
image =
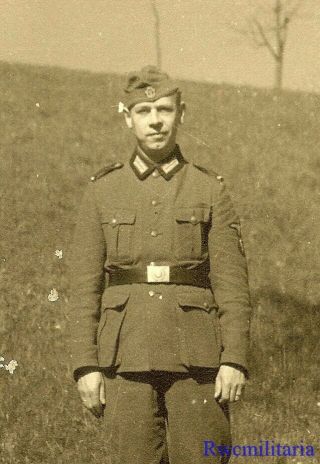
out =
column 143, row 166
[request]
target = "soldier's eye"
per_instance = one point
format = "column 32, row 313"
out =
column 165, row 109
column 143, row 111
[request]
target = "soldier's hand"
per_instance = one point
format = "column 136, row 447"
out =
column 229, row 384
column 92, row 393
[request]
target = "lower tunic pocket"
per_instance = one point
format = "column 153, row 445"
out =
column 112, row 316
column 199, row 328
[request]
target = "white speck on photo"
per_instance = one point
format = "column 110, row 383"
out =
column 53, row 295
column 58, row 253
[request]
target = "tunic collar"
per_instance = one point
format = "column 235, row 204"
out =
column 143, row 166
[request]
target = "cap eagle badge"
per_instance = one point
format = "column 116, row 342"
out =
column 150, row 92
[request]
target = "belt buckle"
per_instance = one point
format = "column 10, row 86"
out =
column 158, row 273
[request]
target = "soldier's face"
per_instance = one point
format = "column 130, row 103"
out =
column 155, row 124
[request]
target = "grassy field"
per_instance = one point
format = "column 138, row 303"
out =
column 57, row 128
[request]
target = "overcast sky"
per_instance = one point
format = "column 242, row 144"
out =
column 196, row 37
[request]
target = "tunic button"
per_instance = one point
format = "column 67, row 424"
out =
column 151, row 293
column 206, row 305
column 154, row 233
column 156, row 174
column 154, row 202
column 193, row 219
column 114, row 221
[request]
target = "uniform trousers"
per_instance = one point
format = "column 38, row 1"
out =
column 162, row 417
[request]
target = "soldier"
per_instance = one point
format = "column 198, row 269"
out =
column 159, row 298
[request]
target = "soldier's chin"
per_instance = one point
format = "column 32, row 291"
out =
column 157, row 145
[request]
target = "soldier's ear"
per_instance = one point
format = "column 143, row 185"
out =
column 182, row 112
column 127, row 117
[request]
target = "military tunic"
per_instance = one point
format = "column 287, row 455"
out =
column 175, row 214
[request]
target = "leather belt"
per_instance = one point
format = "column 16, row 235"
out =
column 154, row 274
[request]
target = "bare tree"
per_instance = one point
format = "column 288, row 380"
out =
column 269, row 28
column 157, row 32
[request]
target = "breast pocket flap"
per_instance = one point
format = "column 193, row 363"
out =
column 194, row 215
column 119, row 216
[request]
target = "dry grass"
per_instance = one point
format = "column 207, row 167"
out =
column 57, row 128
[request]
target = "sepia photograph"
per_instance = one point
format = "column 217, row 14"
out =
column 160, row 232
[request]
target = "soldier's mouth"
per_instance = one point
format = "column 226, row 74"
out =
column 158, row 134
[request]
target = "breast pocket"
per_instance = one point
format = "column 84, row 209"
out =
column 191, row 232
column 119, row 226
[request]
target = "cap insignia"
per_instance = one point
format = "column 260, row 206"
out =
column 150, row 92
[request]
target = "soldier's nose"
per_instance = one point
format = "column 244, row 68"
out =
column 154, row 119
column 156, row 127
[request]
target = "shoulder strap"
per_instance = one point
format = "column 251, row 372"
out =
column 105, row 170
column 210, row 172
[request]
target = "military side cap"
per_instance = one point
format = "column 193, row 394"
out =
column 148, row 85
